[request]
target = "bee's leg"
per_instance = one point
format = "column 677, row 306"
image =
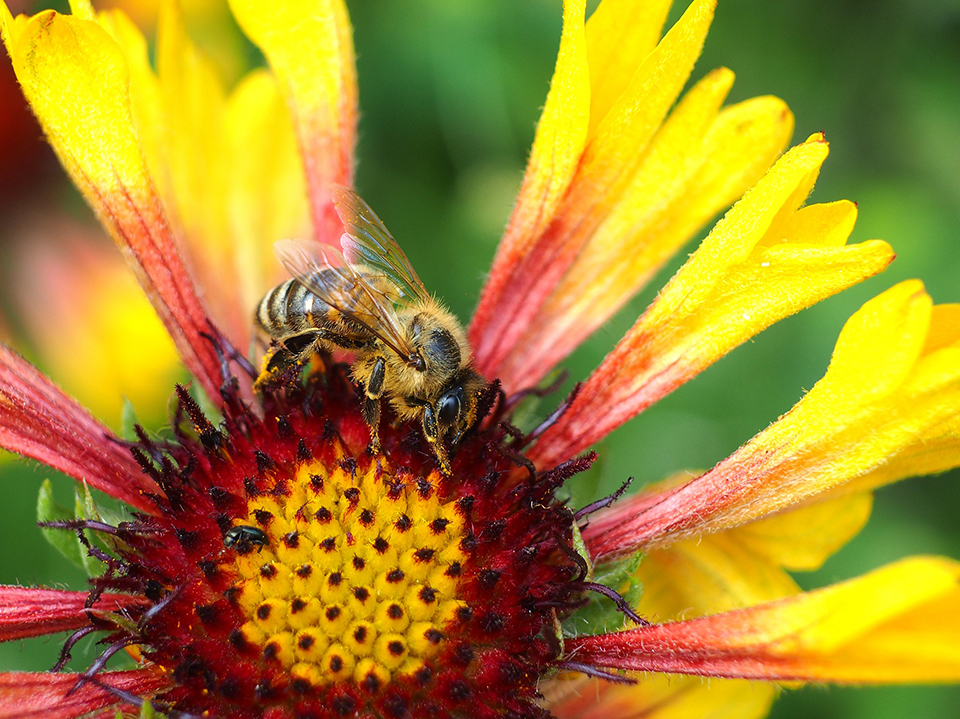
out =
column 300, row 346
column 371, row 405
column 286, row 352
column 431, row 430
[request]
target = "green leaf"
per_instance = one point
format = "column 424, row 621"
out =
column 64, row 541
column 615, row 574
column 84, row 504
column 600, row 614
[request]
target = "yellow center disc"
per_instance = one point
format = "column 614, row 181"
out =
column 356, row 578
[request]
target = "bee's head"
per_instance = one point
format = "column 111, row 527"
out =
column 455, row 410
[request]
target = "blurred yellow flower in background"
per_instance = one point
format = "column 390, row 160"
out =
column 78, row 310
column 89, row 323
column 93, row 327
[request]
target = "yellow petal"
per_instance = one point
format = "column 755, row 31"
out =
column 309, row 45
column 625, row 131
column 266, row 186
column 733, row 568
column 560, row 138
column 557, row 148
column 659, row 697
column 802, row 539
column 620, row 34
column 11, row 27
column 828, row 225
column 938, row 452
column 939, row 447
column 739, row 148
column 53, row 50
column 82, row 9
column 877, row 349
column 220, row 168
column 146, row 103
column 525, row 273
column 747, row 274
column 745, row 565
column 698, row 163
column 619, row 243
column 898, row 624
column 693, row 578
column 779, row 193
column 944, row 328
column 196, row 166
column 76, row 79
column 8, row 33
column 883, row 397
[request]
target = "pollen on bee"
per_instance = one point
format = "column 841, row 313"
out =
column 358, row 580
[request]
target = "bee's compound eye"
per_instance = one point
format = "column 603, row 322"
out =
column 449, row 409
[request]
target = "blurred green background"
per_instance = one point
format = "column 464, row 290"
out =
column 450, row 93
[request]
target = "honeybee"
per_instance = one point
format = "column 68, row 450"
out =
column 369, row 300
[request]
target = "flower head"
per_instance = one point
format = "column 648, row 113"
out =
column 279, row 561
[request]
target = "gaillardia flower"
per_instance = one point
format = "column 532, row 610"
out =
column 273, row 565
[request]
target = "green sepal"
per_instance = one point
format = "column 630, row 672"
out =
column 600, row 614
column 64, row 541
column 558, row 630
column 128, row 421
column 148, row 712
column 580, row 547
column 86, row 508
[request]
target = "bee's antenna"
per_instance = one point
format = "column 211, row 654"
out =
column 514, row 399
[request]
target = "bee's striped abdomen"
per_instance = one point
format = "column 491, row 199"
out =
column 291, row 308
column 272, row 311
column 296, row 315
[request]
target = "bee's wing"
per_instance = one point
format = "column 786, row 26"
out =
column 367, row 242
column 324, row 271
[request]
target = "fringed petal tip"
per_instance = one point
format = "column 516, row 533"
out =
column 585, row 174
column 886, row 408
column 895, row 625
column 557, row 148
column 766, row 259
column 701, row 159
column 309, row 45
